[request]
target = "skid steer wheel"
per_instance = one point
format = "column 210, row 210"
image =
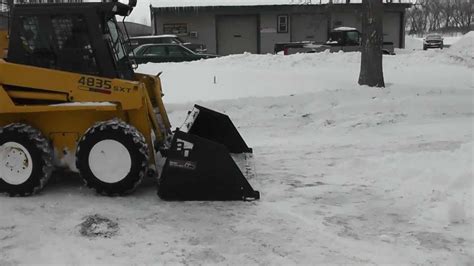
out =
column 112, row 158
column 26, row 160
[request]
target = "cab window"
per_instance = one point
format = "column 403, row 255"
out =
column 34, row 44
column 352, row 38
column 155, row 51
column 72, row 40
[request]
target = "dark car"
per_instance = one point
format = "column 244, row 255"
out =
column 159, row 53
column 433, row 41
column 134, row 42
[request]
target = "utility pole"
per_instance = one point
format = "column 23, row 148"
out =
column 371, row 67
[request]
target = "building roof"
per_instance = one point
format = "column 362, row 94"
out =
column 205, row 3
column 218, row 3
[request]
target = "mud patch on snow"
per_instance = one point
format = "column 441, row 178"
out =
column 7, row 232
column 98, row 226
column 206, row 256
column 344, row 222
column 299, row 184
column 434, row 240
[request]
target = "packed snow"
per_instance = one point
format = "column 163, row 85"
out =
column 463, row 49
column 348, row 174
column 344, row 29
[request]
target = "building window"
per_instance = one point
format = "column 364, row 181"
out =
column 175, row 28
column 282, row 23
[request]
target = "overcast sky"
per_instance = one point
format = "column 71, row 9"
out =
column 141, row 13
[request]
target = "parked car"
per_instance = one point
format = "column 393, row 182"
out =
column 134, row 42
column 159, row 53
column 433, row 41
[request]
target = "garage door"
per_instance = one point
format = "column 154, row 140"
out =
column 237, row 34
column 309, row 27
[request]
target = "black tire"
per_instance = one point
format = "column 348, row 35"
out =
column 129, row 138
column 38, row 148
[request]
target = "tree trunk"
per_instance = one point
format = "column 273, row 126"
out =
column 371, row 69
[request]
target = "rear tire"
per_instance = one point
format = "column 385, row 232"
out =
column 26, row 160
column 112, row 158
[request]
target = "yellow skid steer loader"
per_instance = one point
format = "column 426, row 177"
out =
column 69, row 97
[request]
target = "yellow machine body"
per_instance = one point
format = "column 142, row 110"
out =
column 51, row 117
column 65, row 105
column 3, row 43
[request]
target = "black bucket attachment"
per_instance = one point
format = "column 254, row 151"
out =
column 199, row 165
column 216, row 127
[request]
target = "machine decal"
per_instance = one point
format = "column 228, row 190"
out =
column 95, row 85
column 125, row 90
column 103, row 86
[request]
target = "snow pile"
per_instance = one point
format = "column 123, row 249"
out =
column 248, row 75
column 344, row 29
column 464, row 48
column 452, row 39
column 413, row 43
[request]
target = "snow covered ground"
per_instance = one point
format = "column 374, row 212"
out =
column 348, row 174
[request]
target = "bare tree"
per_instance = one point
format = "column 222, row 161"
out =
column 371, row 68
column 440, row 15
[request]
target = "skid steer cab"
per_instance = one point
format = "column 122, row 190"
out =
column 69, row 97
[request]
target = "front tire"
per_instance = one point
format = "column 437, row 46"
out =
column 112, row 158
column 26, row 160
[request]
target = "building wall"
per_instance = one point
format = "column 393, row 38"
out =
column 391, row 28
column 136, row 29
column 347, row 18
column 202, row 23
column 309, row 27
column 391, row 24
column 306, row 23
column 269, row 33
